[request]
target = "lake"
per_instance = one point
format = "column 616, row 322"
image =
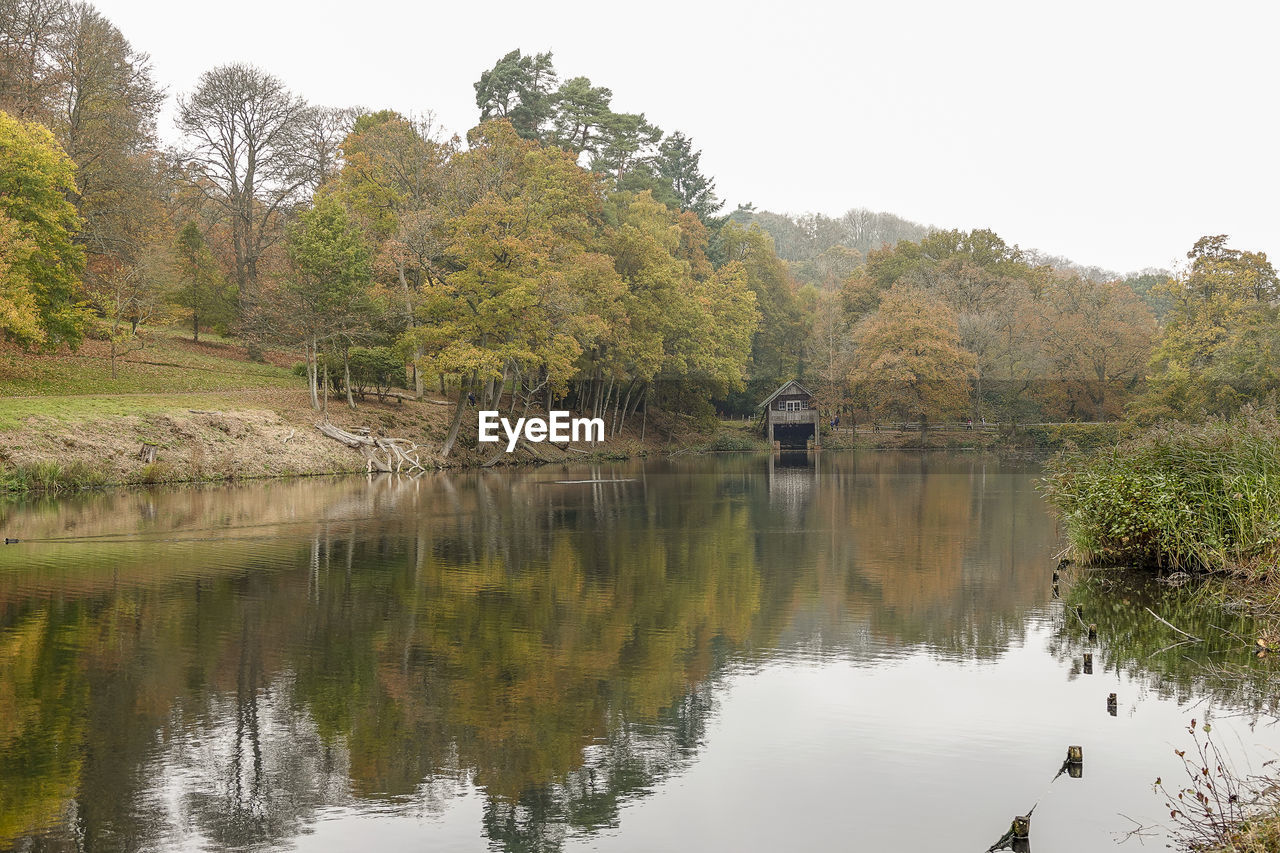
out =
column 861, row 651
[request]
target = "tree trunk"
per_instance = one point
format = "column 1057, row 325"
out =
column 346, row 377
column 325, row 396
column 644, row 420
column 313, row 378
column 463, row 388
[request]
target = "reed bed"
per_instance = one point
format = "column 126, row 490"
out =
column 1179, row 496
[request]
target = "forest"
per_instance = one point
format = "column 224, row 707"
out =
column 561, row 254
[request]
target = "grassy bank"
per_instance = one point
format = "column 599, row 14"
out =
column 67, row 423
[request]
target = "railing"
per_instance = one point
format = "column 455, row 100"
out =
column 804, row 416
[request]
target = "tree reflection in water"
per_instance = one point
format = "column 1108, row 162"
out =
column 223, row 665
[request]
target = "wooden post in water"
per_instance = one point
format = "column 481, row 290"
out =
column 1075, row 761
column 1093, row 633
column 1112, row 704
column 1088, row 663
column 1021, row 827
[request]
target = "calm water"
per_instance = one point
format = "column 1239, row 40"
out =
column 727, row 654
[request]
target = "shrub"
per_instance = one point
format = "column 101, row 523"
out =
column 734, row 441
column 375, row 369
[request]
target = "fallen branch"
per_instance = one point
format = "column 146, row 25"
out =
column 398, row 455
column 1191, row 637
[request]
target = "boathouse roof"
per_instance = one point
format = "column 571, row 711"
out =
column 789, row 387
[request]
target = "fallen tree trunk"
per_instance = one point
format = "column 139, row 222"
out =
column 385, row 455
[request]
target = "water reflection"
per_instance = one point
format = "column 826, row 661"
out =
column 501, row 654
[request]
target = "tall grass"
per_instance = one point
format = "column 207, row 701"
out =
column 1203, row 496
column 48, row 476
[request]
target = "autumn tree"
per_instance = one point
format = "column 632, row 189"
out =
column 907, row 359
column 777, row 349
column 105, row 118
column 394, row 178
column 31, row 32
column 1215, row 352
column 38, row 293
column 1096, row 345
column 523, row 219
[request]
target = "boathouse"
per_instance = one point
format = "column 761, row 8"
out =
column 791, row 417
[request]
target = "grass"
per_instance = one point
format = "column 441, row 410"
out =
column 52, row 477
column 167, row 363
column 1203, row 496
column 14, row 411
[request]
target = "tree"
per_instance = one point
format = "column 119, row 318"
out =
column 394, row 179
column 250, row 159
column 777, row 349
column 1213, row 352
column 19, row 313
column 519, row 89
column 105, row 117
column 200, row 288
column 828, row 351
column 1097, row 344
column 331, row 275
column 38, row 223
column 581, row 110
column 907, row 358
column 523, row 218
column 79, row 76
column 678, row 164
column 30, row 34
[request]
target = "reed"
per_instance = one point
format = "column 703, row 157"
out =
column 1187, row 496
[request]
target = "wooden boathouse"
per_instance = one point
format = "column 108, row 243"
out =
column 791, row 417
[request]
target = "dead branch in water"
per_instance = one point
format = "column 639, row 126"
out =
column 1193, row 638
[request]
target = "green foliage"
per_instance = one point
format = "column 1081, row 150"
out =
column 519, row 89
column 200, row 287
column 41, row 263
column 1199, row 496
column 735, row 441
column 376, row 369
column 1083, row 437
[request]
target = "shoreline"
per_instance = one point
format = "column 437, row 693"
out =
column 51, row 454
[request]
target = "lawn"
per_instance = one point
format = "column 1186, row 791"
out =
column 167, row 363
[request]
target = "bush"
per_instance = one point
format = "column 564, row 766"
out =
column 376, row 369
column 735, row 441
column 1203, row 496
column 1054, row 437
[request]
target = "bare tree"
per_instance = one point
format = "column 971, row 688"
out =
column 31, row 32
column 323, row 134
column 251, row 157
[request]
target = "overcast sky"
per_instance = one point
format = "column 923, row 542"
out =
column 1110, row 132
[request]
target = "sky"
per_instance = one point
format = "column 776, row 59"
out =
column 1113, row 133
